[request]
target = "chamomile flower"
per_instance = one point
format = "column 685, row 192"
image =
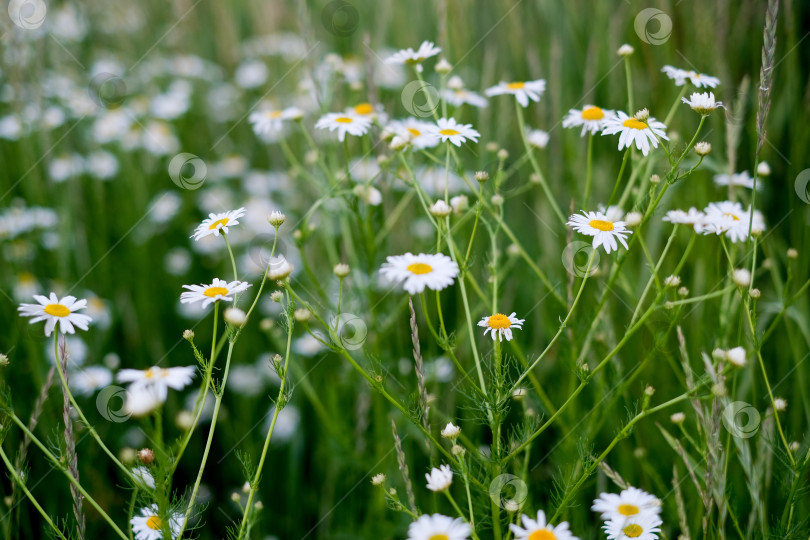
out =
column 217, row 223
column 522, row 90
column 537, row 138
column 149, row 525
column 367, row 110
column 344, row 123
column 693, row 217
column 743, row 179
column 434, row 271
column 729, row 218
column 439, row 479
column 410, row 57
column 456, row 95
column 270, row 121
column 634, row 131
column 53, row 310
column 85, row 381
column 143, row 477
column 680, row 76
column 643, row 527
column 631, row 502
column 604, row 231
column 158, row 378
column 703, row 103
column 590, row 117
column 438, row 527
column 540, row 529
column 451, row 131
column 219, row 289
column 501, row 325
column 418, row 133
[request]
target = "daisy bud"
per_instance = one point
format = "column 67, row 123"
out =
column 719, row 390
column 443, row 67
column 451, row 432
column 279, row 269
column 719, row 354
column 369, row 194
column 383, row 160
column 766, row 263
column 703, row 148
column 535, row 178
column 625, row 50
column 276, row 218
column 298, row 235
column 246, row 487
column 439, row 479
column 235, row 316
column 780, row 404
column 518, row 394
column 672, row 281
column 763, row 169
column 440, row 209
column 258, row 505
column 678, row 418
column 399, row 142
column 755, row 293
column 683, row 292
column 127, row 455
column 655, row 179
column 640, row 452
column 236, row 497
column 302, row 315
column 492, row 147
column 188, row 335
column 392, row 491
column 266, row 324
column 146, row 456
column 633, row 219
column 460, row 204
column 184, row 420
column 736, row 357
column 3, row 360
column 513, row 250
column 311, row 157
column 511, row 506
column 457, row 450
column 497, row 199
column 341, row 270
column 455, row 83
column 794, row 446
column 741, row 277
column 503, row 154
column 378, row 479
column 792, row 254
column 649, row 391
column 277, row 297
column 643, row 115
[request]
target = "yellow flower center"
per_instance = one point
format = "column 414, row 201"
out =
column 414, row 132
column 220, row 222
column 635, row 124
column 439, row 537
column 628, row 509
column 57, row 310
column 542, row 534
column 601, row 225
column 211, row 292
column 499, row 321
column 344, row 120
column 420, row 268
column 633, row 531
column 515, row 85
column 273, row 114
column 154, row 523
column 448, row 132
column 414, row 60
column 364, row 108
column 727, row 214
column 149, row 373
column 592, row 113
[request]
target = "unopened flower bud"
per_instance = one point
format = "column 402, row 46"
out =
column 443, row 66
column 683, row 292
column 703, row 148
column 188, row 335
column 655, row 179
column 678, row 418
column 460, row 204
column 672, row 281
column 276, row 218
column 625, row 50
column 146, row 456
column 279, row 269
column 741, row 277
column 341, row 270
column 755, row 293
column 302, row 315
column 482, row 176
column 792, row 253
column 277, row 297
column 455, row 83
column 441, row 209
column 378, row 479
column 503, row 154
column 235, row 316
column 780, row 404
column 643, row 115
column 763, row 169
column 492, row 146
column 497, row 199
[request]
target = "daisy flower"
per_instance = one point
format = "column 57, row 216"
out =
column 216, row 223
column 143, row 477
column 643, row 527
column 522, row 90
column 743, row 179
column 591, row 118
column 439, row 479
column 434, row 271
column 86, row 381
column 451, row 131
column 631, row 502
column 456, row 95
column 729, row 218
column 539, row 529
column 419, row 134
column 219, row 289
column 693, row 217
column 703, row 103
column 501, row 326
column 141, row 400
column 437, row 527
column 367, row 110
column 680, row 77
column 149, row 526
column 410, row 57
column 537, row 138
column 344, row 123
column 272, row 120
column 52, row 310
column 158, row 379
column 632, row 130
column 604, row 231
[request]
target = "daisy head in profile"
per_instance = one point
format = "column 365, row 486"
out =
column 344, row 123
column 217, row 223
column 149, row 525
column 742, row 179
column 631, row 502
column 591, row 118
column 158, row 379
column 417, row 134
column 730, row 219
column 540, row 529
column 271, row 121
column 501, row 325
column 703, row 103
column 680, row 76
column 414, row 57
column 524, row 91
column 438, row 527
column 448, row 130
column 641, row 130
column 53, row 310
column 415, row 272
column 605, row 231
column 368, row 110
column 219, row 289
column 457, row 95
column 642, row 527
column 439, row 479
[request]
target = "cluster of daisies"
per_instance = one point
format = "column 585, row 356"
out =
column 724, row 218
